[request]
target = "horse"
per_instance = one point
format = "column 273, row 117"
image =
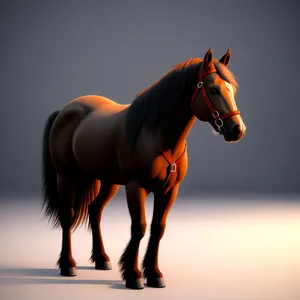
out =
column 93, row 145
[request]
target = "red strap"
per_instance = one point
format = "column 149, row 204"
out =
column 230, row 114
column 212, row 109
column 210, row 106
column 200, row 80
column 173, row 165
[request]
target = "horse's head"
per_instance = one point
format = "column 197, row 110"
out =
column 216, row 101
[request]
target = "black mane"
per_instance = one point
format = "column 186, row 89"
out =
column 160, row 100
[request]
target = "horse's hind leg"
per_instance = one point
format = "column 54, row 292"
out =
column 66, row 188
column 99, row 256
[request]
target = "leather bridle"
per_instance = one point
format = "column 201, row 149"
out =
column 216, row 115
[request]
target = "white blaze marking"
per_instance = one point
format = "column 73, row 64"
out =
column 231, row 94
column 232, row 100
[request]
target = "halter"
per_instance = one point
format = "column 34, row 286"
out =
column 216, row 115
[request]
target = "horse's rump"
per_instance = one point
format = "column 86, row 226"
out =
column 97, row 139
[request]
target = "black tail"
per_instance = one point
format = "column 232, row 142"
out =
column 85, row 192
column 50, row 191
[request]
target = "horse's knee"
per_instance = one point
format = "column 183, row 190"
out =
column 158, row 229
column 138, row 230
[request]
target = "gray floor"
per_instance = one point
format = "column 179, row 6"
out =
column 243, row 250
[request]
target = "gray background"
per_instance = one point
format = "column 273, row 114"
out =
column 53, row 51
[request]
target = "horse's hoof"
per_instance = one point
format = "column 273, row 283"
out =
column 156, row 282
column 135, row 284
column 105, row 265
column 68, row 271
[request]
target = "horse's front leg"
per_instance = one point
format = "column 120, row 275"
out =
column 136, row 198
column 162, row 206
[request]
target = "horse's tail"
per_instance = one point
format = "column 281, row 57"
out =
column 86, row 191
column 49, row 177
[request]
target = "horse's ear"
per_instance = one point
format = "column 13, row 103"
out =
column 225, row 58
column 208, row 58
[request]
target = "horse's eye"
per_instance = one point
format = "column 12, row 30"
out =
column 214, row 91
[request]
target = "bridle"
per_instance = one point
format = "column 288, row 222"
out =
column 216, row 115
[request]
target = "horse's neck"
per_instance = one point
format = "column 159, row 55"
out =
column 174, row 131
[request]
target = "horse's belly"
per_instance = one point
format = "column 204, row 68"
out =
column 94, row 147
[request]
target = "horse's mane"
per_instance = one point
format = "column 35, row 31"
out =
column 159, row 101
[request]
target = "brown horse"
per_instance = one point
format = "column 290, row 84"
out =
column 94, row 145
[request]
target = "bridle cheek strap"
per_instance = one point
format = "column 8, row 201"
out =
column 218, row 119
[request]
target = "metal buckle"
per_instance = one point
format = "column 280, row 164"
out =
column 219, row 125
column 215, row 114
column 199, row 85
column 173, row 168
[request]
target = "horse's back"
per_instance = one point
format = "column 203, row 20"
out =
column 102, row 105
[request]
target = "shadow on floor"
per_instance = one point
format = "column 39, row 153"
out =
column 22, row 276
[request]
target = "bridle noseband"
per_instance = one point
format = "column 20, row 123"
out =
column 216, row 115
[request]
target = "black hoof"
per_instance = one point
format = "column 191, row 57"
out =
column 156, row 282
column 135, row 284
column 68, row 271
column 105, row 265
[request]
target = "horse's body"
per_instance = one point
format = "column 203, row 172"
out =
column 94, row 145
column 90, row 133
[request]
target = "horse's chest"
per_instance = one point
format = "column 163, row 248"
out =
column 168, row 175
